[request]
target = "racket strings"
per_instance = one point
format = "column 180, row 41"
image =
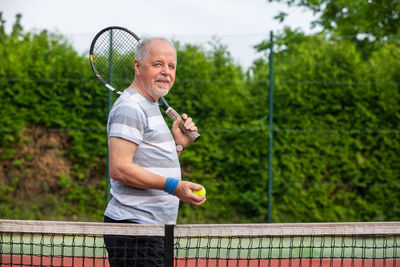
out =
column 114, row 56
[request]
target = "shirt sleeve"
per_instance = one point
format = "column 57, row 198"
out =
column 128, row 122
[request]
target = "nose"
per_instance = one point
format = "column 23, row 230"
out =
column 165, row 70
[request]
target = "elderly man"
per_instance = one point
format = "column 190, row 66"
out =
column 146, row 183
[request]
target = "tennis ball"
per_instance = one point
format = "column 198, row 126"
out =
column 201, row 192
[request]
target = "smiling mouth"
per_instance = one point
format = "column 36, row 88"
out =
column 166, row 82
column 163, row 83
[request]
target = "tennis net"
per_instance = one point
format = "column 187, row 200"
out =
column 50, row 243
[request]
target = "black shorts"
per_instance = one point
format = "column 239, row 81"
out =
column 134, row 251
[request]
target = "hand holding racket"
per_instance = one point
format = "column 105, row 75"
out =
column 112, row 57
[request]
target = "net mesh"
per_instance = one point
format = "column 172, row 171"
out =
column 43, row 243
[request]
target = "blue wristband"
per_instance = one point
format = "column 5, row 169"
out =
column 170, row 185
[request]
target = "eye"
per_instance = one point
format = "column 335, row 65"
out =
column 171, row 66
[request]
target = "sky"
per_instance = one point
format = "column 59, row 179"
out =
column 238, row 24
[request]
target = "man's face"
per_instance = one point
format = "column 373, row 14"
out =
column 157, row 71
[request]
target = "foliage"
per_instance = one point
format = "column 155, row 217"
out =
column 336, row 130
column 367, row 23
column 45, row 83
column 335, row 126
column 378, row 18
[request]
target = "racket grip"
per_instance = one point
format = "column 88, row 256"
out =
column 193, row 136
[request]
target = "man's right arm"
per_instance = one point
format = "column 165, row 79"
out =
column 122, row 169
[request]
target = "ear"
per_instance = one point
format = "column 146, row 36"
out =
column 137, row 65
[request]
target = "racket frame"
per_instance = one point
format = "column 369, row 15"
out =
column 193, row 136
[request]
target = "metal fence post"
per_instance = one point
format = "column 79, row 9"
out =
column 110, row 102
column 271, row 126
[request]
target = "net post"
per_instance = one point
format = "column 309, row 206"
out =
column 169, row 246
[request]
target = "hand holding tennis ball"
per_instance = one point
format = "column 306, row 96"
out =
column 201, row 192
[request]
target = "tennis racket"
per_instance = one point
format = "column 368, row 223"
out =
column 112, row 58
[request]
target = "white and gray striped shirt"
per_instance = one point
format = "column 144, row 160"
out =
column 139, row 120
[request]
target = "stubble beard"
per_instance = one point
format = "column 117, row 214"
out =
column 160, row 91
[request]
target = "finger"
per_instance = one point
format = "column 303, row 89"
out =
column 201, row 202
column 196, row 187
column 189, row 125
column 188, row 122
column 192, row 127
column 197, row 198
column 177, row 121
column 193, row 186
column 184, row 116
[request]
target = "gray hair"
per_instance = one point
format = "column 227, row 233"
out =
column 142, row 49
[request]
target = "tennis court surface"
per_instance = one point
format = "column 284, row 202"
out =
column 50, row 243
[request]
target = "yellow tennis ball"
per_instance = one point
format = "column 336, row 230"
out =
column 201, row 192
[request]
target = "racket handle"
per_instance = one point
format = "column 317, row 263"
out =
column 193, row 136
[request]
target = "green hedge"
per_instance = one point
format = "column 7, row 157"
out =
column 336, row 131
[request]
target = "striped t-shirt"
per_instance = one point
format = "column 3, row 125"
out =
column 139, row 120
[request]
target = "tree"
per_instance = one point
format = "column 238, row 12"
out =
column 363, row 21
column 336, row 118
